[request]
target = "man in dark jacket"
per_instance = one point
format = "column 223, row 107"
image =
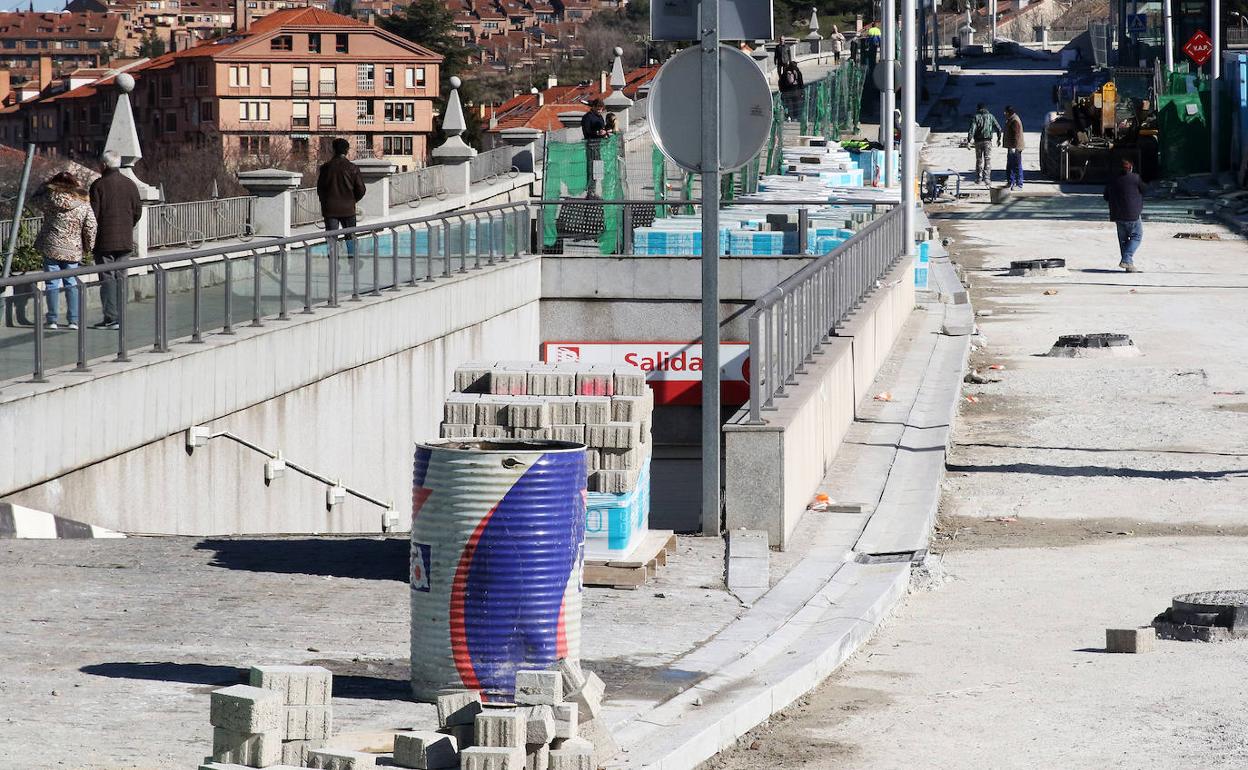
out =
column 340, row 186
column 1125, row 194
column 791, row 83
column 118, row 208
column 593, row 131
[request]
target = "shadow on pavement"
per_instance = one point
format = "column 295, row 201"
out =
column 347, row 684
column 360, row 558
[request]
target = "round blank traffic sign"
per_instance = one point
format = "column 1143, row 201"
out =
column 880, row 72
column 744, row 112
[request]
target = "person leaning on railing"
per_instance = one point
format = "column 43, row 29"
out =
column 339, row 186
column 593, row 131
column 118, row 209
column 67, row 235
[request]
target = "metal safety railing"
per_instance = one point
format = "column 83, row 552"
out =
column 276, row 465
column 789, row 324
column 192, row 293
column 413, row 187
column 192, row 223
column 29, row 226
column 488, row 166
column 305, row 207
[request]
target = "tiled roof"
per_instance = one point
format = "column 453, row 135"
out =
column 56, row 26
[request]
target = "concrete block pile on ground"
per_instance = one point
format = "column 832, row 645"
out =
column 608, row 408
column 283, row 716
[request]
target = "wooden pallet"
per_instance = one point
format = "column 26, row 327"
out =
column 641, row 564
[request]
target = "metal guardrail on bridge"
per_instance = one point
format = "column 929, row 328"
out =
column 305, row 207
column 191, row 293
column 491, row 164
column 194, row 222
column 412, row 187
column 790, row 323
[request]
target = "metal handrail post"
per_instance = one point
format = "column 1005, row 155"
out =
column 332, row 242
column 476, row 228
column 283, row 278
column 255, row 288
column 411, row 253
column 307, row 280
column 431, row 235
column 353, row 259
column 38, row 374
column 158, row 342
column 445, row 242
column 123, row 293
column 463, row 245
column 394, row 260
column 756, row 388
column 376, row 292
column 197, row 334
column 229, row 297
column 490, row 260
column 82, row 329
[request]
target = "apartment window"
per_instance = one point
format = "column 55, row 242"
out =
column 300, row 115
column 409, row 77
column 171, row 122
column 300, row 148
column 253, row 112
column 166, row 88
column 70, row 44
column 240, row 76
column 340, row 42
column 201, row 77
column 94, row 44
column 329, row 81
column 314, row 42
column 253, row 146
column 327, row 114
column 400, row 112
column 299, row 80
column 282, row 43
column 389, row 77
column 396, row 145
column 365, row 75
column 31, row 43
column 205, row 110
column 364, row 111
column 420, row 77
column 266, row 77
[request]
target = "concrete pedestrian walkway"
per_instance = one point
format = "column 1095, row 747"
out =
column 1082, row 494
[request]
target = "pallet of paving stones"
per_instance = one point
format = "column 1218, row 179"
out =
column 640, row 566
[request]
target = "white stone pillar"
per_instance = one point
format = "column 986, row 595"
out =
column 376, row 173
column 454, row 155
column 123, row 139
column 617, row 103
column 524, row 140
column 274, row 190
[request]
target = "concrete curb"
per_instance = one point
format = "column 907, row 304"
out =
column 795, row 636
column 17, row 522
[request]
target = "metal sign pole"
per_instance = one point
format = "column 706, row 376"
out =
column 888, row 97
column 909, row 163
column 708, row 26
column 1167, row 13
column 11, row 247
column 1215, row 83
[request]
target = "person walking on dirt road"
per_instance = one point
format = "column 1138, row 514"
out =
column 1125, row 194
column 1013, row 142
column 983, row 128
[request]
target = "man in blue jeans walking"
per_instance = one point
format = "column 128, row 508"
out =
column 1125, row 194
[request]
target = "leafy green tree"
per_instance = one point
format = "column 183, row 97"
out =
column 152, row 45
column 430, row 24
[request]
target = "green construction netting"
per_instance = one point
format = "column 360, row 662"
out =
column 566, row 175
column 830, row 106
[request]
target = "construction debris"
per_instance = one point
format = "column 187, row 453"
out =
column 253, row 726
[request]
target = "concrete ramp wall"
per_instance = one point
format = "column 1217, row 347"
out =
column 772, row 471
column 345, row 392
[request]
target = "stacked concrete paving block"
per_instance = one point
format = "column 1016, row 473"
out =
column 247, row 726
column 607, row 408
column 307, row 714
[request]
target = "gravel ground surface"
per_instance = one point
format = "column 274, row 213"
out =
column 1082, row 494
column 109, row 648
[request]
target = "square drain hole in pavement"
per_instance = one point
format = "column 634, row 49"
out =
column 1102, row 345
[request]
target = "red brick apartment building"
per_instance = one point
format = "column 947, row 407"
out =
column 284, row 88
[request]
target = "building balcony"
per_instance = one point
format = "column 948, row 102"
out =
column 364, row 120
column 327, row 89
column 327, row 122
column 301, row 87
column 301, row 122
